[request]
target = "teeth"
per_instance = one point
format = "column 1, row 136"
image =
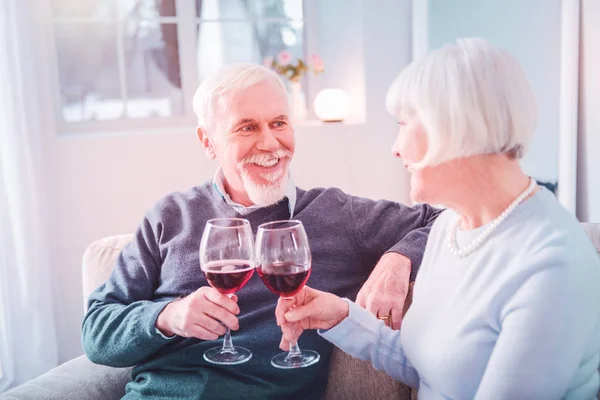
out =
column 265, row 163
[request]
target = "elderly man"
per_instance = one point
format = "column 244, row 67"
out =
column 157, row 311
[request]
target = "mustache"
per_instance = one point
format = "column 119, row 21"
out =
column 260, row 158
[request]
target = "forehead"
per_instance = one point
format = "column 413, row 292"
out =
column 263, row 100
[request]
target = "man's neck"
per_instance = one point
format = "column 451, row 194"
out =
column 237, row 195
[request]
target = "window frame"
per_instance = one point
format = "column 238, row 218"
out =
column 186, row 20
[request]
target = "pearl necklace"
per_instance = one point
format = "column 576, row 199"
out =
column 474, row 245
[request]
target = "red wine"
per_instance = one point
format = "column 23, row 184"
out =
column 228, row 276
column 284, row 279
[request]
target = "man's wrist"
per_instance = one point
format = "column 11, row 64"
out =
column 398, row 260
column 162, row 321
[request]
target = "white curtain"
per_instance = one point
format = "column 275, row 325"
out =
column 28, row 344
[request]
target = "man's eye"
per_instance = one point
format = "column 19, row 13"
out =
column 247, row 129
column 279, row 124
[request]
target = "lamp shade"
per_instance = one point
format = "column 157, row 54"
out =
column 332, row 105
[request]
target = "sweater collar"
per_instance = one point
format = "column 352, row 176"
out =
column 219, row 187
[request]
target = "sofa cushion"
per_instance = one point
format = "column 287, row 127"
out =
column 354, row 379
column 593, row 232
column 74, row 380
column 99, row 260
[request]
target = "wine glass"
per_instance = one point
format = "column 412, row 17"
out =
column 227, row 260
column 284, row 265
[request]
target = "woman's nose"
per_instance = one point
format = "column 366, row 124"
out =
column 396, row 148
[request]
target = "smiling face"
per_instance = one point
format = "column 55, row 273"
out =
column 254, row 142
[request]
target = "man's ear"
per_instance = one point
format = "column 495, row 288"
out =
column 206, row 143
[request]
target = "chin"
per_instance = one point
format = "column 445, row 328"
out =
column 418, row 193
column 264, row 193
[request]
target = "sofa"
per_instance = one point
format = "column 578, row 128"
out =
column 349, row 378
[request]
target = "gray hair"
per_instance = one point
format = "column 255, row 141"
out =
column 472, row 98
column 212, row 95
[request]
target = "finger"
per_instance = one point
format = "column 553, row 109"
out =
column 378, row 305
column 287, row 332
column 284, row 345
column 298, row 330
column 299, row 313
column 280, row 312
column 361, row 297
column 397, row 317
column 234, row 298
column 222, row 315
column 200, row 333
column 210, row 324
column 222, row 300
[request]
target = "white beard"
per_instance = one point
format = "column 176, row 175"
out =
column 265, row 194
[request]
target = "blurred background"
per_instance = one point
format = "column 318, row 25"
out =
column 96, row 122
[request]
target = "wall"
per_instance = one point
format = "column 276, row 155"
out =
column 588, row 182
column 101, row 185
column 531, row 31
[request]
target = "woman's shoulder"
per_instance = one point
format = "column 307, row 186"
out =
column 544, row 235
column 545, row 225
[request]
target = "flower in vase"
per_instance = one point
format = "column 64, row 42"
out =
column 317, row 64
column 284, row 57
column 293, row 69
column 268, row 62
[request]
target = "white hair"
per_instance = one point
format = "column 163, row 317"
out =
column 472, row 98
column 212, row 95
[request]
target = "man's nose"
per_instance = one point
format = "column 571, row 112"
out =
column 267, row 141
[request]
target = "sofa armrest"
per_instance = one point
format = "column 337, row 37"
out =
column 74, row 380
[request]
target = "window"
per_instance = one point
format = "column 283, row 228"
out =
column 133, row 64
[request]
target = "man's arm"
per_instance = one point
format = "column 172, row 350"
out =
column 124, row 325
column 398, row 234
column 385, row 226
column 119, row 327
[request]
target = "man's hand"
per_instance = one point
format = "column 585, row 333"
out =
column 384, row 293
column 199, row 315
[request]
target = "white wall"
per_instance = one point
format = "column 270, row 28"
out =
column 588, row 168
column 531, row 31
column 102, row 185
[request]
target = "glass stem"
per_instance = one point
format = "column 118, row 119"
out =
column 227, row 344
column 294, row 348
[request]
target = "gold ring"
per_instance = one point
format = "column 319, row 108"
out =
column 386, row 318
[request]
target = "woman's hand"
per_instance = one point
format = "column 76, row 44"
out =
column 309, row 309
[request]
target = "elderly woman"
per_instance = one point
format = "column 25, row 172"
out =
column 506, row 304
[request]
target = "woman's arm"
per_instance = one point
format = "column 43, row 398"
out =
column 351, row 328
column 364, row 336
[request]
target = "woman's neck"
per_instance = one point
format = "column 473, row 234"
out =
column 487, row 186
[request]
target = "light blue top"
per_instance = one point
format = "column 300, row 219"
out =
column 517, row 319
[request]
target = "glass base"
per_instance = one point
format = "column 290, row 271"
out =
column 305, row 359
column 217, row 355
